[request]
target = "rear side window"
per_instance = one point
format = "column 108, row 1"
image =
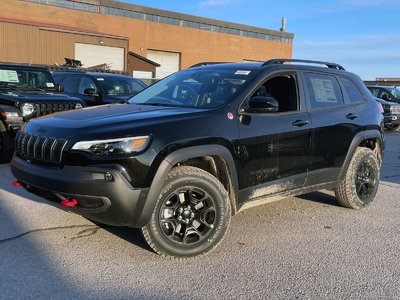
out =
column 374, row 91
column 323, row 90
column 70, row 84
column 351, row 92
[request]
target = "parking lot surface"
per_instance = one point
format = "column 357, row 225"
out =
column 304, row 247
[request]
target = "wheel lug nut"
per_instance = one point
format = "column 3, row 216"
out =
column 180, row 218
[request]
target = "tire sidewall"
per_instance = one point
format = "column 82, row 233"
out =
column 358, row 160
column 213, row 188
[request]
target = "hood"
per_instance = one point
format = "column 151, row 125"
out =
column 17, row 96
column 116, row 119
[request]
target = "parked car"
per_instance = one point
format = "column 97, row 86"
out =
column 98, row 88
column 391, row 114
column 205, row 143
column 27, row 92
column 387, row 93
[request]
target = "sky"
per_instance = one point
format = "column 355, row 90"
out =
column 362, row 35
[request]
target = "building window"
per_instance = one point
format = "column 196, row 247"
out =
column 160, row 19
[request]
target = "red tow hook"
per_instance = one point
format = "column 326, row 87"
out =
column 69, row 203
column 16, row 183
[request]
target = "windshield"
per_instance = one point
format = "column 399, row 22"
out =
column 117, row 86
column 202, row 88
column 395, row 92
column 26, row 79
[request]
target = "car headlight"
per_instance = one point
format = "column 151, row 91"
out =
column 27, row 109
column 78, row 105
column 113, row 146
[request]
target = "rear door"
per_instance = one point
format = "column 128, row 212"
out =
column 333, row 124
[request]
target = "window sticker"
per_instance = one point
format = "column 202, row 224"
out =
column 242, row 72
column 50, row 84
column 9, row 76
column 100, row 79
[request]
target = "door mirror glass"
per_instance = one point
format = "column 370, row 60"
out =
column 262, row 104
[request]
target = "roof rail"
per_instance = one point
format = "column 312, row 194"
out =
column 277, row 61
column 207, row 64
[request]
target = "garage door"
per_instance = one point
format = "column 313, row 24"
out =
column 169, row 61
column 93, row 55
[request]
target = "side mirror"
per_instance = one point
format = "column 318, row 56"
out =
column 59, row 87
column 90, row 92
column 262, row 104
column 385, row 97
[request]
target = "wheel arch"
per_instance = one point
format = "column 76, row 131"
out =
column 211, row 158
column 371, row 139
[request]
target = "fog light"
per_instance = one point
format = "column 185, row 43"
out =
column 108, row 177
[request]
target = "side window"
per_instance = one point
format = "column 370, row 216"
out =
column 374, row 91
column 323, row 91
column 352, row 93
column 86, row 83
column 283, row 89
column 70, row 84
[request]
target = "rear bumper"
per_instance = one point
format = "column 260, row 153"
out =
column 113, row 202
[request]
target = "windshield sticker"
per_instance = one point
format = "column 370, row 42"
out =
column 242, row 72
column 50, row 84
column 100, row 79
column 9, row 76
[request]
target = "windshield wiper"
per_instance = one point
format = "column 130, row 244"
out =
column 158, row 104
column 29, row 88
column 6, row 85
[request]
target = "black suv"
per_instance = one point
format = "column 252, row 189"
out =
column 205, row 143
column 27, row 92
column 98, row 88
column 387, row 93
column 391, row 114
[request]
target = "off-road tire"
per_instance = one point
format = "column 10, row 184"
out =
column 358, row 187
column 183, row 188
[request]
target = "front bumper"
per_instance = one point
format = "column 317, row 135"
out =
column 391, row 119
column 114, row 202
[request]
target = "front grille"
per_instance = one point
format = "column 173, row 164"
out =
column 42, row 149
column 46, row 108
column 395, row 109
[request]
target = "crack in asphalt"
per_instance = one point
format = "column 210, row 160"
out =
column 46, row 229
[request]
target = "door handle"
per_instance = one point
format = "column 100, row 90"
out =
column 300, row 123
column 351, row 116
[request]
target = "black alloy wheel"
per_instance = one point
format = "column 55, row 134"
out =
column 191, row 215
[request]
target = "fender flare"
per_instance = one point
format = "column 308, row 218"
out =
column 170, row 161
column 357, row 140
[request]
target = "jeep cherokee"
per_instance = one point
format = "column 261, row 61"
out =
column 205, row 143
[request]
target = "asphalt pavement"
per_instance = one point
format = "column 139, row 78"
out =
column 303, row 247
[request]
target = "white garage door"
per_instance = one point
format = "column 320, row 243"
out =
column 93, row 55
column 169, row 62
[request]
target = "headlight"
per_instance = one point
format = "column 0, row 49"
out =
column 114, row 146
column 78, row 105
column 27, row 109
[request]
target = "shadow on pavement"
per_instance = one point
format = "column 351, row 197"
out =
column 320, row 197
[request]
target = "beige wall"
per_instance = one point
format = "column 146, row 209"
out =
column 194, row 45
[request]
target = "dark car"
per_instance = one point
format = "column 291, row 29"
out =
column 27, row 92
column 98, row 88
column 205, row 143
column 391, row 113
column 387, row 93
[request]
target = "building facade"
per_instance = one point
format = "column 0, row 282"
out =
column 143, row 41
